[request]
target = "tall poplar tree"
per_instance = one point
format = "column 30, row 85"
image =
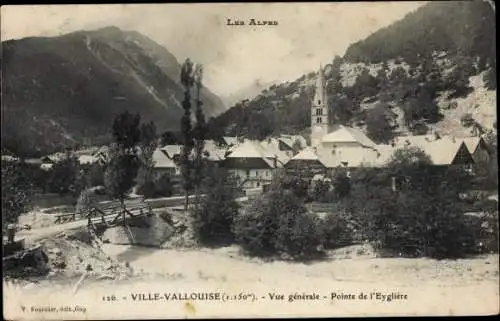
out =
column 187, row 80
column 199, row 133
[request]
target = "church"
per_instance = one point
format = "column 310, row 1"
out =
column 337, row 145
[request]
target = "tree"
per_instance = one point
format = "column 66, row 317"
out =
column 341, row 183
column 126, row 131
column 169, row 138
column 365, row 85
column 147, row 144
column 278, row 223
column 423, row 215
column 213, row 218
column 186, row 163
column 64, row 175
column 120, row 174
column 16, row 192
column 122, row 167
column 199, row 133
column 467, row 120
column 378, row 125
column 296, row 147
column 320, row 190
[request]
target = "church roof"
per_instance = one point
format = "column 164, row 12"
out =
column 345, row 134
column 320, row 86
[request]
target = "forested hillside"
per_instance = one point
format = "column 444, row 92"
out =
column 65, row 91
column 410, row 77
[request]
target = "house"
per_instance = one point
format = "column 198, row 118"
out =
column 87, row 156
column 346, row 146
column 214, row 152
column 250, row 163
column 443, row 151
column 291, row 144
column 306, row 165
column 102, row 154
column 163, row 164
column 87, row 160
column 231, row 140
column 10, row 158
column 478, row 148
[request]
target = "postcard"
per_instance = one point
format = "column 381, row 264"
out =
column 223, row 160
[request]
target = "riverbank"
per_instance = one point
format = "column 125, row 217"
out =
column 431, row 287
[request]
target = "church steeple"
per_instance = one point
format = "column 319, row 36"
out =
column 319, row 110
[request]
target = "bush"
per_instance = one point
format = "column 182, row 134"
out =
column 147, row 189
column 293, row 183
column 277, row 224
column 163, row 186
column 341, row 183
column 337, row 228
column 95, row 175
column 423, row 217
column 321, row 191
column 16, row 192
column 64, row 175
column 213, row 218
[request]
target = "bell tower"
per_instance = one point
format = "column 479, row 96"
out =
column 319, row 111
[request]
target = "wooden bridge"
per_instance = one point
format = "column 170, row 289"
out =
column 134, row 207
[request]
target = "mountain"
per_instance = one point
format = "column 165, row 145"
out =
column 465, row 27
column 248, row 92
column 423, row 73
column 65, row 91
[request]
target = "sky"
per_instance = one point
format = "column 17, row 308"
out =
column 234, row 57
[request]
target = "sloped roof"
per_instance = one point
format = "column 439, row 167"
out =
column 215, row 153
column 441, row 151
column 306, row 154
column 87, row 159
column 102, row 149
column 161, row 160
column 345, row 134
column 230, row 140
column 472, row 143
column 172, row 150
column 256, row 149
column 416, row 140
column 247, row 149
column 290, row 140
column 87, row 151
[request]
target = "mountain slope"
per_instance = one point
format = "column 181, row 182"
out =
column 435, row 64
column 64, row 91
column 465, row 27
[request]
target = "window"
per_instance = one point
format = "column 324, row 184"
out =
column 319, row 111
column 258, row 184
column 319, row 102
column 248, row 172
column 318, row 119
